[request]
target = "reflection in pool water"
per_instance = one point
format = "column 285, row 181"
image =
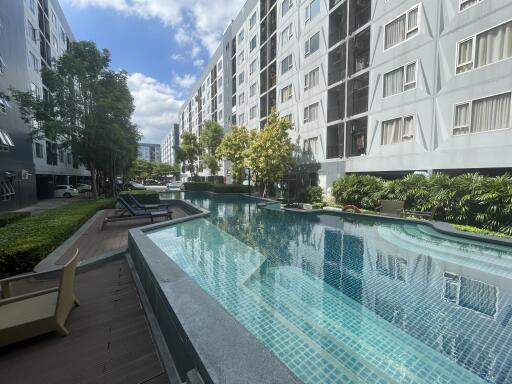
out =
column 341, row 300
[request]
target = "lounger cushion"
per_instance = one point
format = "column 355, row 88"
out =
column 29, row 310
column 159, row 213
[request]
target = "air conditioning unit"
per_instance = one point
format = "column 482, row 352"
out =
column 25, row 175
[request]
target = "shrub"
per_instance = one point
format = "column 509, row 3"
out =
column 469, row 199
column 197, row 186
column 11, row 217
column 480, row 231
column 144, row 196
column 230, row 188
column 314, row 194
column 26, row 242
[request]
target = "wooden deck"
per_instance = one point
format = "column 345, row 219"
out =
column 109, row 341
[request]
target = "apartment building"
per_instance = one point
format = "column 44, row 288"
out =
column 150, row 152
column 169, row 145
column 32, row 32
column 371, row 86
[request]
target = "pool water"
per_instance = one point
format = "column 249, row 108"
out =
column 353, row 300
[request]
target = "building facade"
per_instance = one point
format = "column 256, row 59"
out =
column 150, row 152
column 169, row 145
column 371, row 86
column 32, row 33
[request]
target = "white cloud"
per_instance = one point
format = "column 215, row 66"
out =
column 184, row 81
column 203, row 20
column 156, row 106
column 198, row 63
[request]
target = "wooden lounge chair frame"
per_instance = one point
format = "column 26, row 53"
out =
column 37, row 313
column 391, row 207
column 135, row 214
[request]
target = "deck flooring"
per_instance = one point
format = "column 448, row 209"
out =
column 109, row 341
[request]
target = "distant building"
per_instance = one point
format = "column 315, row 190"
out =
column 169, row 145
column 150, row 152
column 32, row 33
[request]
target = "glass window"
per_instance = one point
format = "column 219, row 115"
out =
column 402, row 28
column 241, row 78
column 311, row 79
column 398, row 130
column 359, row 51
column 335, row 141
column 311, row 113
column 464, row 4
column 252, row 89
column 310, row 146
column 252, row 21
column 241, row 98
column 253, row 43
column 337, row 64
column 286, row 93
column 338, row 25
column 312, row 44
column 482, row 115
column 287, row 34
column 358, row 94
column 336, row 103
column 357, row 136
column 400, row 80
column 253, row 66
column 286, row 64
column 241, row 36
column 253, row 112
column 312, row 9
column 360, row 12
column 240, row 57
column 285, row 6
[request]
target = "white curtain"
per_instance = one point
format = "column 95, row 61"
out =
column 410, row 76
column 412, row 22
column 394, row 82
column 391, row 131
column 491, row 113
column 408, row 133
column 395, row 32
column 462, row 115
column 494, row 45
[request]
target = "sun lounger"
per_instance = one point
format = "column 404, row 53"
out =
column 130, row 213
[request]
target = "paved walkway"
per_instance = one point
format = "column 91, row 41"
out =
column 43, row 205
column 109, row 340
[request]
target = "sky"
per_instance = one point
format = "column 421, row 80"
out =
column 163, row 44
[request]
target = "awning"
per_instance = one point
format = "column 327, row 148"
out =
column 5, row 139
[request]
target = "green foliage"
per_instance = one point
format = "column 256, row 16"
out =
column 217, row 188
column 27, row 241
column 11, row 217
column 480, row 231
column 142, row 169
column 212, row 163
column 144, row 196
column 211, row 136
column 234, row 147
column 189, row 151
column 314, row 194
column 271, row 153
column 470, row 199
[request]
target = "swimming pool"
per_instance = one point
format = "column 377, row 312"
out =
column 343, row 300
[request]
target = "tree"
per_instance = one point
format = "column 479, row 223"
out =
column 87, row 108
column 163, row 170
column 189, row 151
column 234, row 147
column 271, row 154
column 210, row 139
column 141, row 169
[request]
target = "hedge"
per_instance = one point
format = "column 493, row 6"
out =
column 27, row 241
column 217, row 188
column 470, row 199
column 144, row 196
column 11, row 217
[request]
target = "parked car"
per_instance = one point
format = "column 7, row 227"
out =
column 135, row 186
column 83, row 188
column 65, row 190
column 174, row 185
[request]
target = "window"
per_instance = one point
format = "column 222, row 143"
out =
column 482, row 115
column 5, row 141
column 286, row 93
column 311, row 113
column 240, row 58
column 485, row 48
column 336, row 103
column 241, row 98
column 253, row 43
column 3, row 104
column 55, row 43
column 253, row 66
column 357, row 93
column 241, row 36
column 39, row 150
column 310, row 145
column 400, row 130
column 252, row 21
column 287, row 34
column 471, row 294
column 335, row 141
column 62, row 35
column 402, row 28
column 253, row 112
column 34, row 63
column 32, row 32
column 311, row 79
column 338, row 25
column 241, row 78
column 241, row 119
column 35, row 90
column 465, row 4
column 252, row 89
column 312, row 44
column 312, row 9
column 285, row 6
column 337, row 63
column 360, row 12
column 286, row 64
column 54, row 18
column 219, row 65
column 359, row 52
column 357, row 136
column 400, row 80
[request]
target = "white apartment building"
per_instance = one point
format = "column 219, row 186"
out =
column 169, row 145
column 371, row 86
column 150, row 152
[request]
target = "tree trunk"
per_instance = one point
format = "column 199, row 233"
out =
column 94, row 185
column 113, row 180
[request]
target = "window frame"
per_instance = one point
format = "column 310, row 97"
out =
column 255, row 17
column 307, row 43
column 407, row 30
column 308, row 17
column 255, row 39
column 290, row 5
column 288, row 87
column 289, row 59
column 307, row 115
column 462, row 2
column 470, row 114
column 307, row 79
column 404, row 82
column 401, row 132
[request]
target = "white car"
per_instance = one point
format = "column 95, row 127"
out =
column 65, row 191
column 83, row 188
column 174, row 185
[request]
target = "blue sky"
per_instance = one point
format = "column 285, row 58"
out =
column 163, row 44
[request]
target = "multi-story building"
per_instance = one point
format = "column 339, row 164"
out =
column 150, row 152
column 169, row 145
column 32, row 32
column 383, row 87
